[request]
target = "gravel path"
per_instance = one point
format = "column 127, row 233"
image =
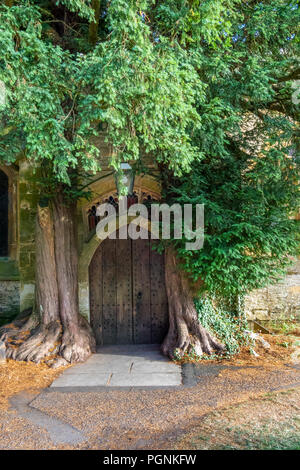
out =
column 137, row 418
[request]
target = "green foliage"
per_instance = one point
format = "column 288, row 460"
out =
column 82, row 7
column 169, row 79
column 224, row 322
column 146, row 92
column 285, row 326
column 248, row 176
column 196, row 21
column 250, row 234
column 41, row 90
column 287, row 437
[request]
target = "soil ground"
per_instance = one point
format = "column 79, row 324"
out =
column 20, row 376
column 222, row 398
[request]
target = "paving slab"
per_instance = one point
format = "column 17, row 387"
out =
column 154, row 367
column 123, row 366
column 104, row 367
column 89, row 379
column 60, row 432
column 145, row 380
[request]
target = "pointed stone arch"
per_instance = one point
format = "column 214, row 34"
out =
column 100, row 188
column 85, row 258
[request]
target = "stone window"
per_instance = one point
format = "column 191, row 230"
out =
column 8, row 212
column 3, row 214
column 143, row 197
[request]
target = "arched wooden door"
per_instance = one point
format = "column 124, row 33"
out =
column 128, row 302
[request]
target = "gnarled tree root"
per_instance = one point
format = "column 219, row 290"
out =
column 186, row 335
column 41, row 342
column 47, row 342
column 19, row 324
column 77, row 347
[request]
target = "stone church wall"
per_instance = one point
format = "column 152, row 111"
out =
column 276, row 302
column 9, row 300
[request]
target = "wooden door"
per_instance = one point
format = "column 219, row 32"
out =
column 128, row 302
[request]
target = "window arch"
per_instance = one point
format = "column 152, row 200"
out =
column 3, row 214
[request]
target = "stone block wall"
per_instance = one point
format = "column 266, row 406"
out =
column 9, row 300
column 276, row 302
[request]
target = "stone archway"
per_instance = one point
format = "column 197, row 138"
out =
column 89, row 241
column 88, row 252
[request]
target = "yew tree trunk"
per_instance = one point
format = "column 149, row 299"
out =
column 55, row 327
column 38, row 336
column 46, row 289
column 185, row 333
column 77, row 341
column 94, row 25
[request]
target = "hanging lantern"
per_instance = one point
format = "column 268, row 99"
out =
column 125, row 180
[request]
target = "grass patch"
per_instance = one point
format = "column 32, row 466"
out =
column 264, row 438
column 268, row 423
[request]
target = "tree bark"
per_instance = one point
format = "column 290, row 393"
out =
column 186, row 334
column 93, row 27
column 38, row 335
column 47, row 303
column 55, row 327
column 77, row 342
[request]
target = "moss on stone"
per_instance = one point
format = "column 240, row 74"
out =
column 9, row 270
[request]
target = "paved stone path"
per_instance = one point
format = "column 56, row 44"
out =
column 59, row 432
column 122, row 366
